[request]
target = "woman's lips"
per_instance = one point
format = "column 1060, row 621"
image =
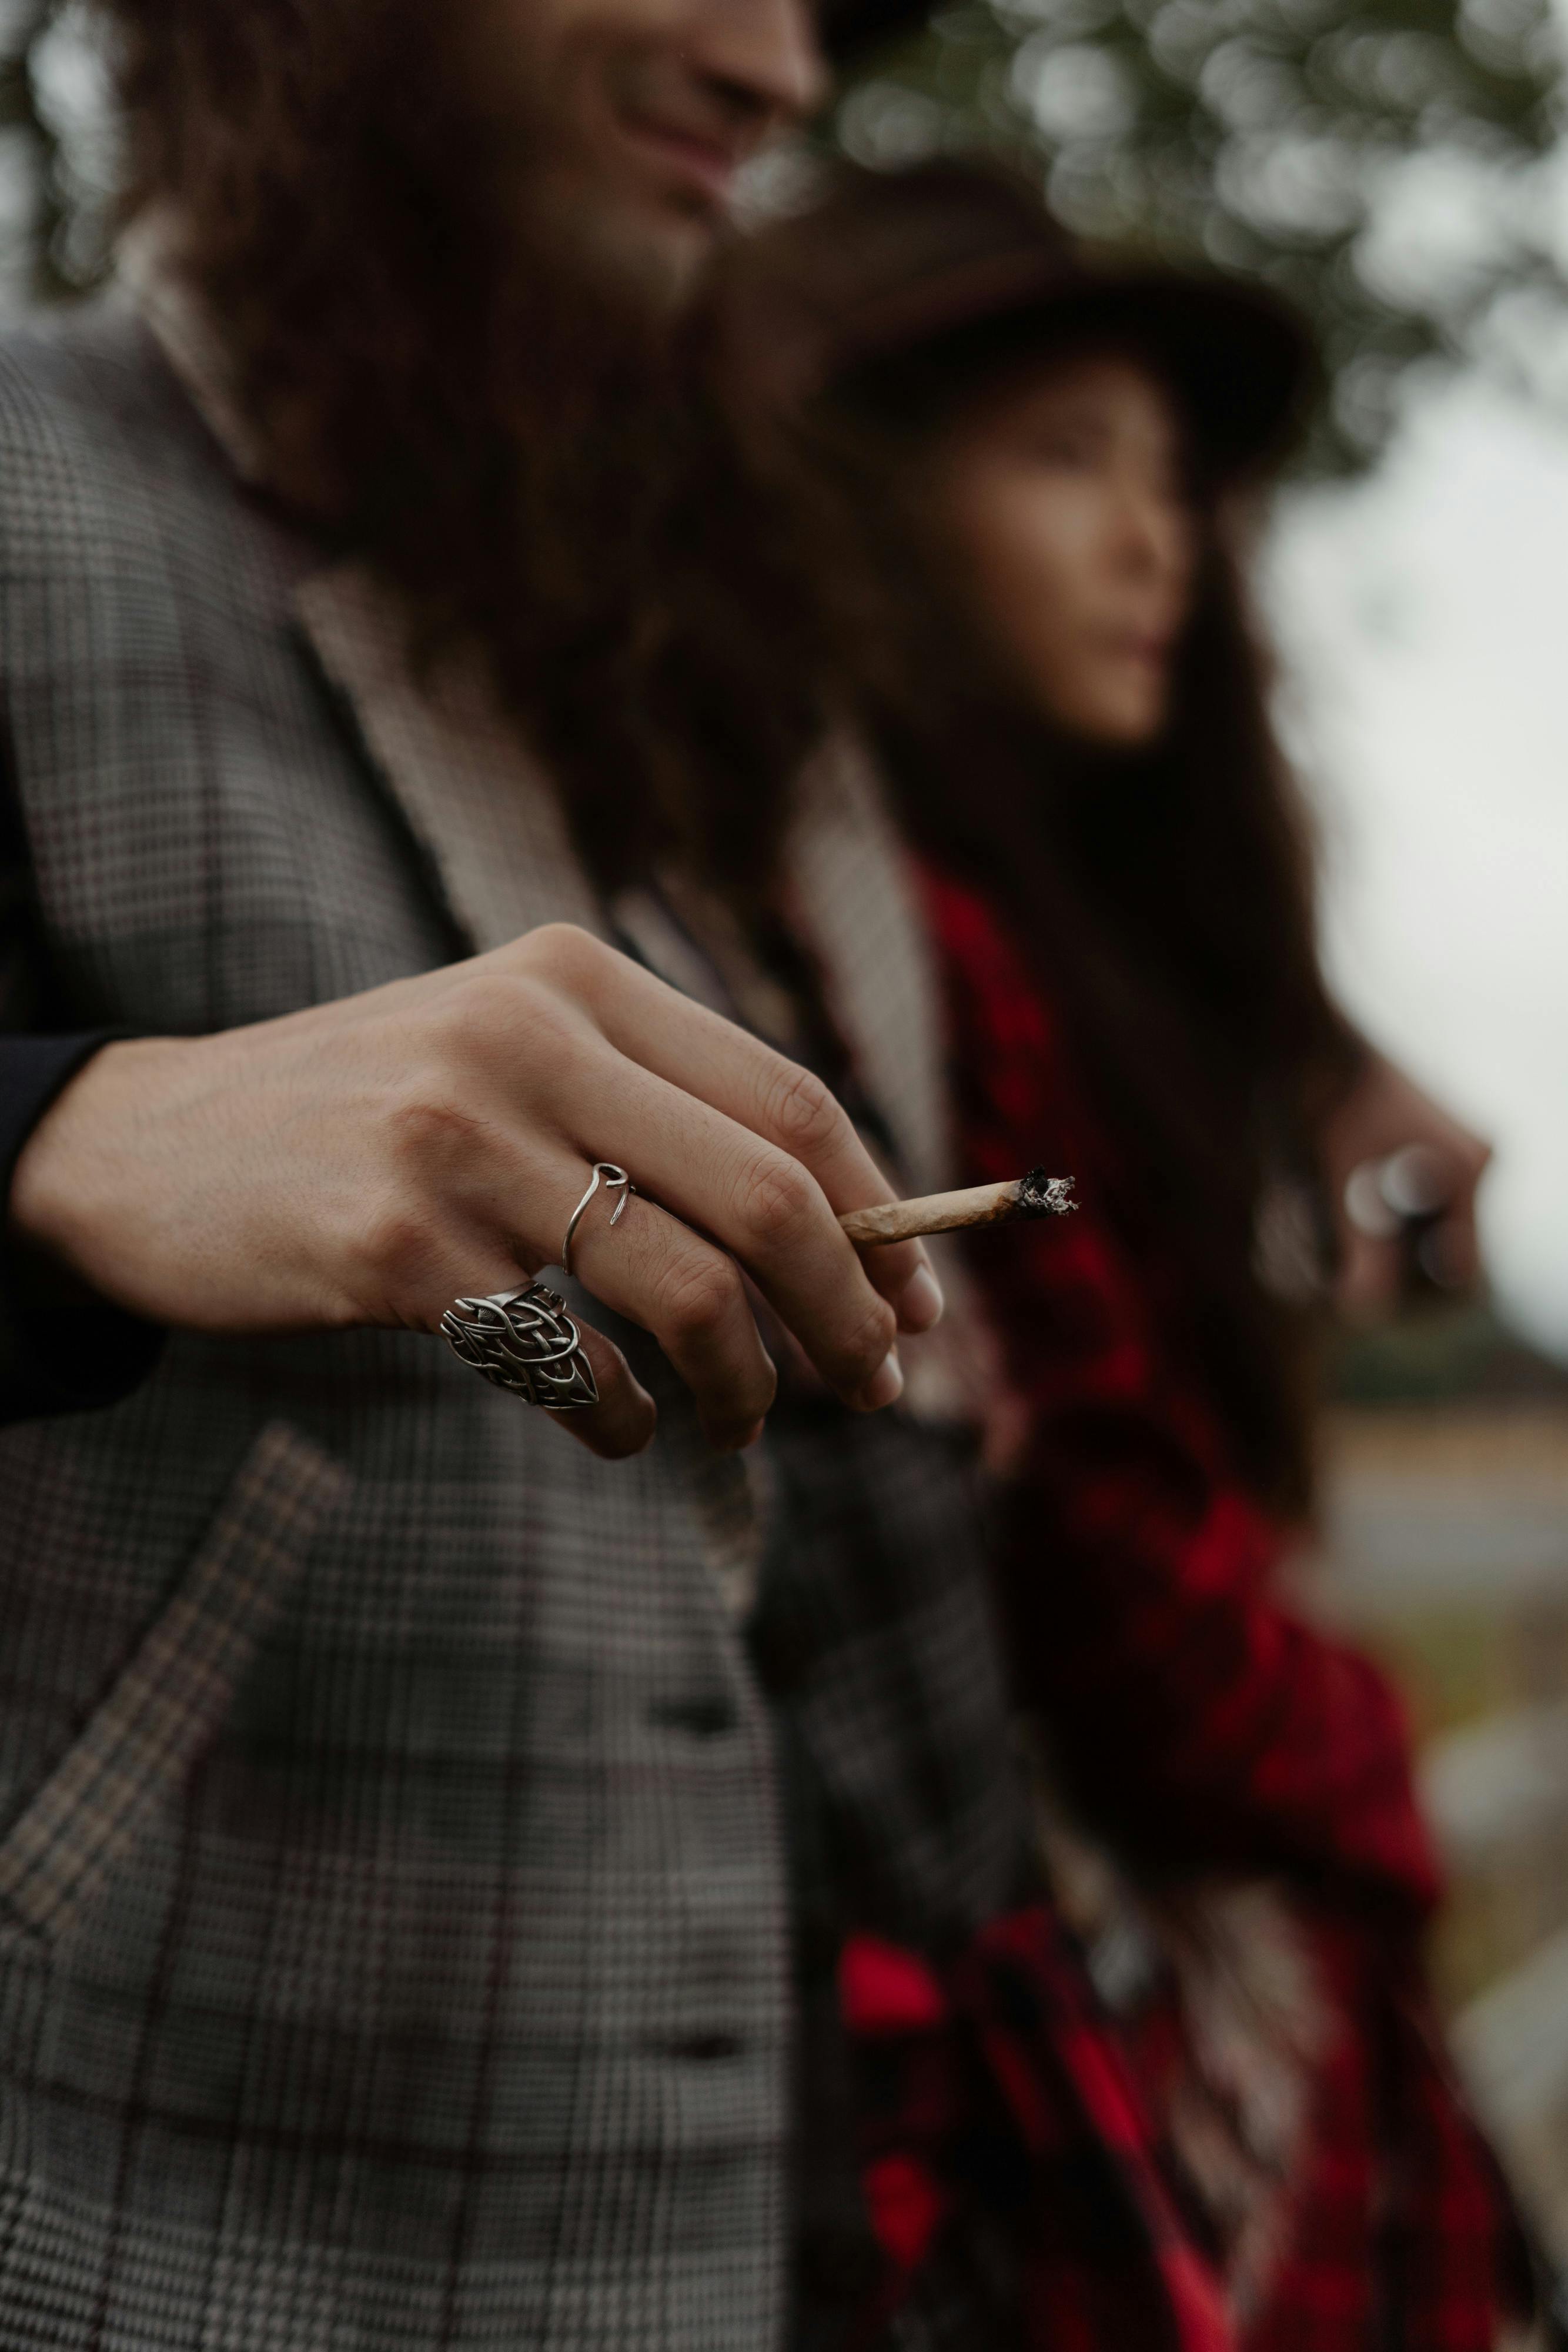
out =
column 1154, row 646
column 704, row 167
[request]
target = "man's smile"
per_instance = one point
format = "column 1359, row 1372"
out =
column 702, row 164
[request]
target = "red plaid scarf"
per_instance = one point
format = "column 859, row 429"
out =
column 1001, row 2080
column 1406, row 2234
column 1208, row 1729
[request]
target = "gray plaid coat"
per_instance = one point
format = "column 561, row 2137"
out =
column 394, row 1901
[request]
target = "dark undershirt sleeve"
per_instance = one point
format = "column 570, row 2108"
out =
column 59, row 1353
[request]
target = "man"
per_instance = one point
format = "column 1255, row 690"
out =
column 613, row 142
column 393, row 1909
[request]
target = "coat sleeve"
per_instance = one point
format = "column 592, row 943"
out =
column 1194, row 1718
column 55, row 1357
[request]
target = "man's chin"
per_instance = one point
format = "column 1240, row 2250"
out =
column 649, row 255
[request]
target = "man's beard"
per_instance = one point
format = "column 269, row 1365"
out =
column 582, row 512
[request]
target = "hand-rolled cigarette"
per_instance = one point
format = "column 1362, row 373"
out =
column 1034, row 1196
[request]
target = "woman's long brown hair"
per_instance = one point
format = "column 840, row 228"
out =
column 1165, row 898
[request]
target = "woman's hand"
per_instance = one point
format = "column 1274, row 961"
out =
column 370, row 1161
column 1383, row 1119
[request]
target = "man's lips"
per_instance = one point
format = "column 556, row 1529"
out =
column 705, row 167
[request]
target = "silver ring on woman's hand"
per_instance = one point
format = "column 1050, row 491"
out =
column 614, row 1180
column 526, row 1342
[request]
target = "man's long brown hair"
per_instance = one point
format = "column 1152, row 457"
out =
column 1165, row 898
column 531, row 462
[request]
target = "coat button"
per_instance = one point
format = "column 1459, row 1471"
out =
column 704, row 1717
column 705, row 2049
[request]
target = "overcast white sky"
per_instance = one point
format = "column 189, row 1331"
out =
column 1424, row 618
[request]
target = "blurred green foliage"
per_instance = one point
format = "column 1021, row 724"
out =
column 1391, row 163
column 1442, row 1353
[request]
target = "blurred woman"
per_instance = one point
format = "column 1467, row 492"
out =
column 1031, row 468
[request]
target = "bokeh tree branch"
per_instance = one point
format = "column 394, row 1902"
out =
column 1394, row 165
column 1391, row 164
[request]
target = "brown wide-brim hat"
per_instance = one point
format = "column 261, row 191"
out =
column 845, row 27
column 889, row 270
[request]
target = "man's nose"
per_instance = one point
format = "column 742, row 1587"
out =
column 766, row 55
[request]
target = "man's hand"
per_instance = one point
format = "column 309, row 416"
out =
column 1386, row 1129
column 369, row 1162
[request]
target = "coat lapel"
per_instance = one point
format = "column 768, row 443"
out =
column 474, row 797
column 477, row 803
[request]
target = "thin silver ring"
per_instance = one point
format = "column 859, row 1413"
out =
column 614, row 1180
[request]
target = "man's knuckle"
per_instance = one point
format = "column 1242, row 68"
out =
column 779, row 1201
column 551, row 1041
column 506, row 1021
column 399, row 1249
column 467, row 1019
column 806, row 1116
column 565, row 953
column 414, row 1119
column 868, row 1344
column 426, row 1125
column 698, row 1296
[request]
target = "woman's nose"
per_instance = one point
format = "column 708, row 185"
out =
column 1156, row 534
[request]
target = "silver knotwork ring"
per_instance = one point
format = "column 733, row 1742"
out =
column 614, row 1180
column 526, row 1342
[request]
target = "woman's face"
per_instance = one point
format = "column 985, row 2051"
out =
column 1066, row 496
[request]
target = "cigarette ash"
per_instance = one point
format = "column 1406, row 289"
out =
column 1041, row 1195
